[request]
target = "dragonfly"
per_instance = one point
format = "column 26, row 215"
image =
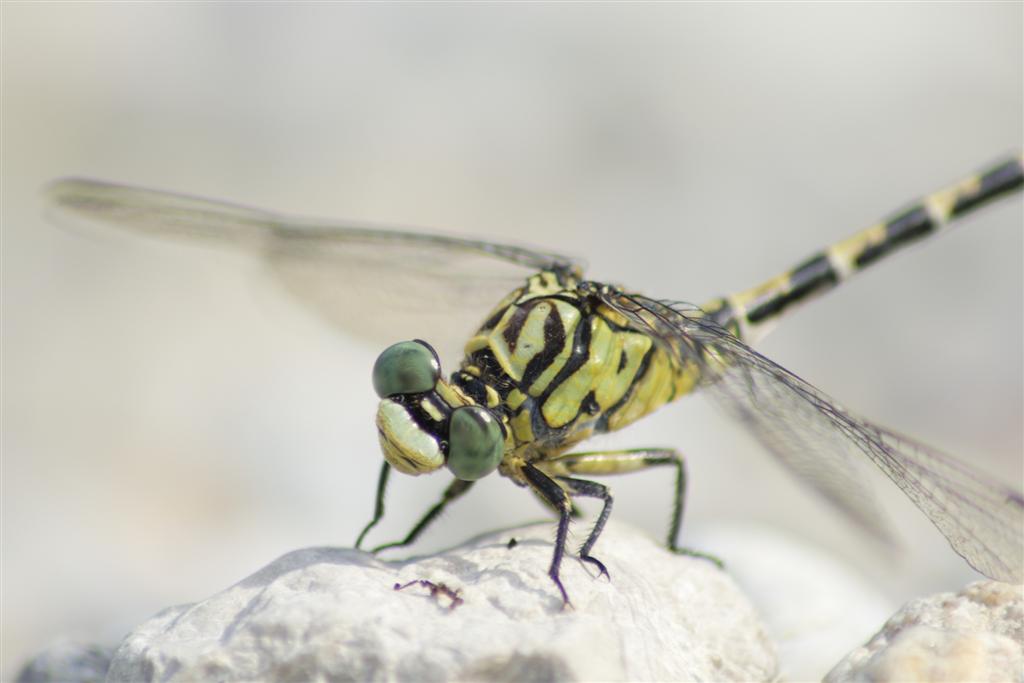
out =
column 561, row 358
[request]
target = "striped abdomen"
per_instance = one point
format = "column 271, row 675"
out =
column 751, row 313
column 565, row 367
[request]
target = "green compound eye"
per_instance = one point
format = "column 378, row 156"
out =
column 475, row 443
column 408, row 367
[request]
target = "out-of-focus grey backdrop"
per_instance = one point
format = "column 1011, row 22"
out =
column 172, row 421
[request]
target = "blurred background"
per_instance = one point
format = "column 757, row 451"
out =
column 172, row 420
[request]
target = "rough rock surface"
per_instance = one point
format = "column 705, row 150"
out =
column 974, row 635
column 333, row 614
column 68, row 661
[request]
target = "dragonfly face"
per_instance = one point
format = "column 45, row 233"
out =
column 424, row 422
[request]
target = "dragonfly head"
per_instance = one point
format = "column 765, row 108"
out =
column 424, row 423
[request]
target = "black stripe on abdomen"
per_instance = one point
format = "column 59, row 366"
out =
column 810, row 277
column 909, row 226
column 1003, row 178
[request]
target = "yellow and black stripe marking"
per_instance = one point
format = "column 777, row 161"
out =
column 565, row 367
column 750, row 313
column 560, row 359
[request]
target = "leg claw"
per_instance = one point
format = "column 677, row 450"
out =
column 601, row 569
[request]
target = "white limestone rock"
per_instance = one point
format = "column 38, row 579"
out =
column 333, row 614
column 974, row 635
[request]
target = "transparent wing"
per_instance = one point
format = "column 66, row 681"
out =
column 821, row 442
column 382, row 284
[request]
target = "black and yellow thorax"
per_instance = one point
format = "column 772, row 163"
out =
column 562, row 366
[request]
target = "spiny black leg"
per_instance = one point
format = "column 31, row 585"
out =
column 667, row 457
column 689, row 552
column 622, row 462
column 575, row 514
column 378, row 508
column 672, row 458
column 559, row 500
column 591, row 489
column 454, row 490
